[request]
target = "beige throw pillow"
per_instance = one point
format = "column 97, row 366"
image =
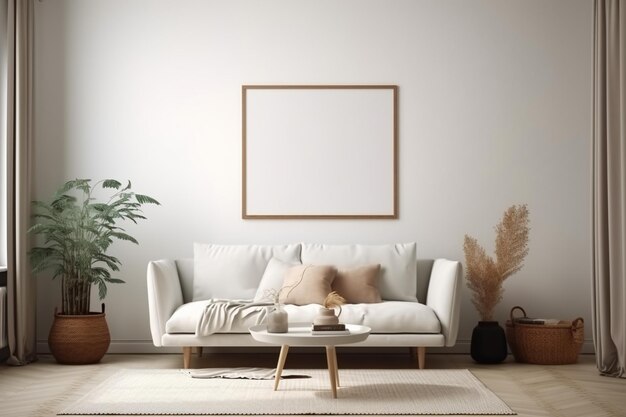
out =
column 358, row 285
column 307, row 284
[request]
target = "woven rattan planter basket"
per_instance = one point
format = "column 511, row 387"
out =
column 542, row 344
column 80, row 339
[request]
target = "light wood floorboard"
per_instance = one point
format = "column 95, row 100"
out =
column 45, row 388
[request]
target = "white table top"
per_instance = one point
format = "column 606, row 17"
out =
column 299, row 334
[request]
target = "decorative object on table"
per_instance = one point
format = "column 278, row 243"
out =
column 326, row 315
column 546, row 343
column 78, row 228
column 329, row 329
column 277, row 317
column 486, row 275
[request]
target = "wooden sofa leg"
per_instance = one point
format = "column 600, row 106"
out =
column 186, row 356
column 199, row 351
column 421, row 357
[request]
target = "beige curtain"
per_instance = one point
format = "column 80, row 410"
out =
column 609, row 187
column 17, row 60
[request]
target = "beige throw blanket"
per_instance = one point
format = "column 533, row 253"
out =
column 231, row 316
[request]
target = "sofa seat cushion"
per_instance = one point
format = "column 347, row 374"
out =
column 185, row 318
column 385, row 317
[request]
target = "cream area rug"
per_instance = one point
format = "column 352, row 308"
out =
column 362, row 391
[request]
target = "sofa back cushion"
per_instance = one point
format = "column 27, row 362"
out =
column 234, row 271
column 398, row 275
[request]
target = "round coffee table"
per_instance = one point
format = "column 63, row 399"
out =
column 299, row 334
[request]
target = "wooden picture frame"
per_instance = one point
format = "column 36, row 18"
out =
column 319, row 151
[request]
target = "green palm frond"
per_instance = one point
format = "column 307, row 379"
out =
column 63, row 202
column 124, row 236
column 144, row 199
column 81, row 184
column 102, row 289
column 111, row 184
column 111, row 261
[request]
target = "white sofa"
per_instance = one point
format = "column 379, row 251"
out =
column 427, row 317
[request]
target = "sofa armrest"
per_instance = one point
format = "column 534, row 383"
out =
column 444, row 296
column 164, row 296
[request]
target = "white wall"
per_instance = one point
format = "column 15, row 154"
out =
column 494, row 109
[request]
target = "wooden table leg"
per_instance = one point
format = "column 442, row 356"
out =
column 281, row 364
column 332, row 371
column 336, row 366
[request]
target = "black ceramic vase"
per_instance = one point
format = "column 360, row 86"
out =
column 488, row 343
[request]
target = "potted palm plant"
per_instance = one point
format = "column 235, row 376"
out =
column 78, row 227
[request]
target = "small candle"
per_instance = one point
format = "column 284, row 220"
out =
column 277, row 321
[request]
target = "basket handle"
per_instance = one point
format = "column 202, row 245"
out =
column 578, row 330
column 513, row 318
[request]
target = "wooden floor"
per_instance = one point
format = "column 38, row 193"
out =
column 44, row 388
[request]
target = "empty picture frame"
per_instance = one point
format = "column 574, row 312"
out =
column 319, row 152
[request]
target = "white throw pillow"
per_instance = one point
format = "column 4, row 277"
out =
column 234, row 271
column 272, row 278
column 398, row 262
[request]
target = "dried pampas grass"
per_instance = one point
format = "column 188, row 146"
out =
column 486, row 275
column 333, row 300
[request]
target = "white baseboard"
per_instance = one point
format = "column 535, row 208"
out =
column 122, row 346
column 146, row 346
column 463, row 347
